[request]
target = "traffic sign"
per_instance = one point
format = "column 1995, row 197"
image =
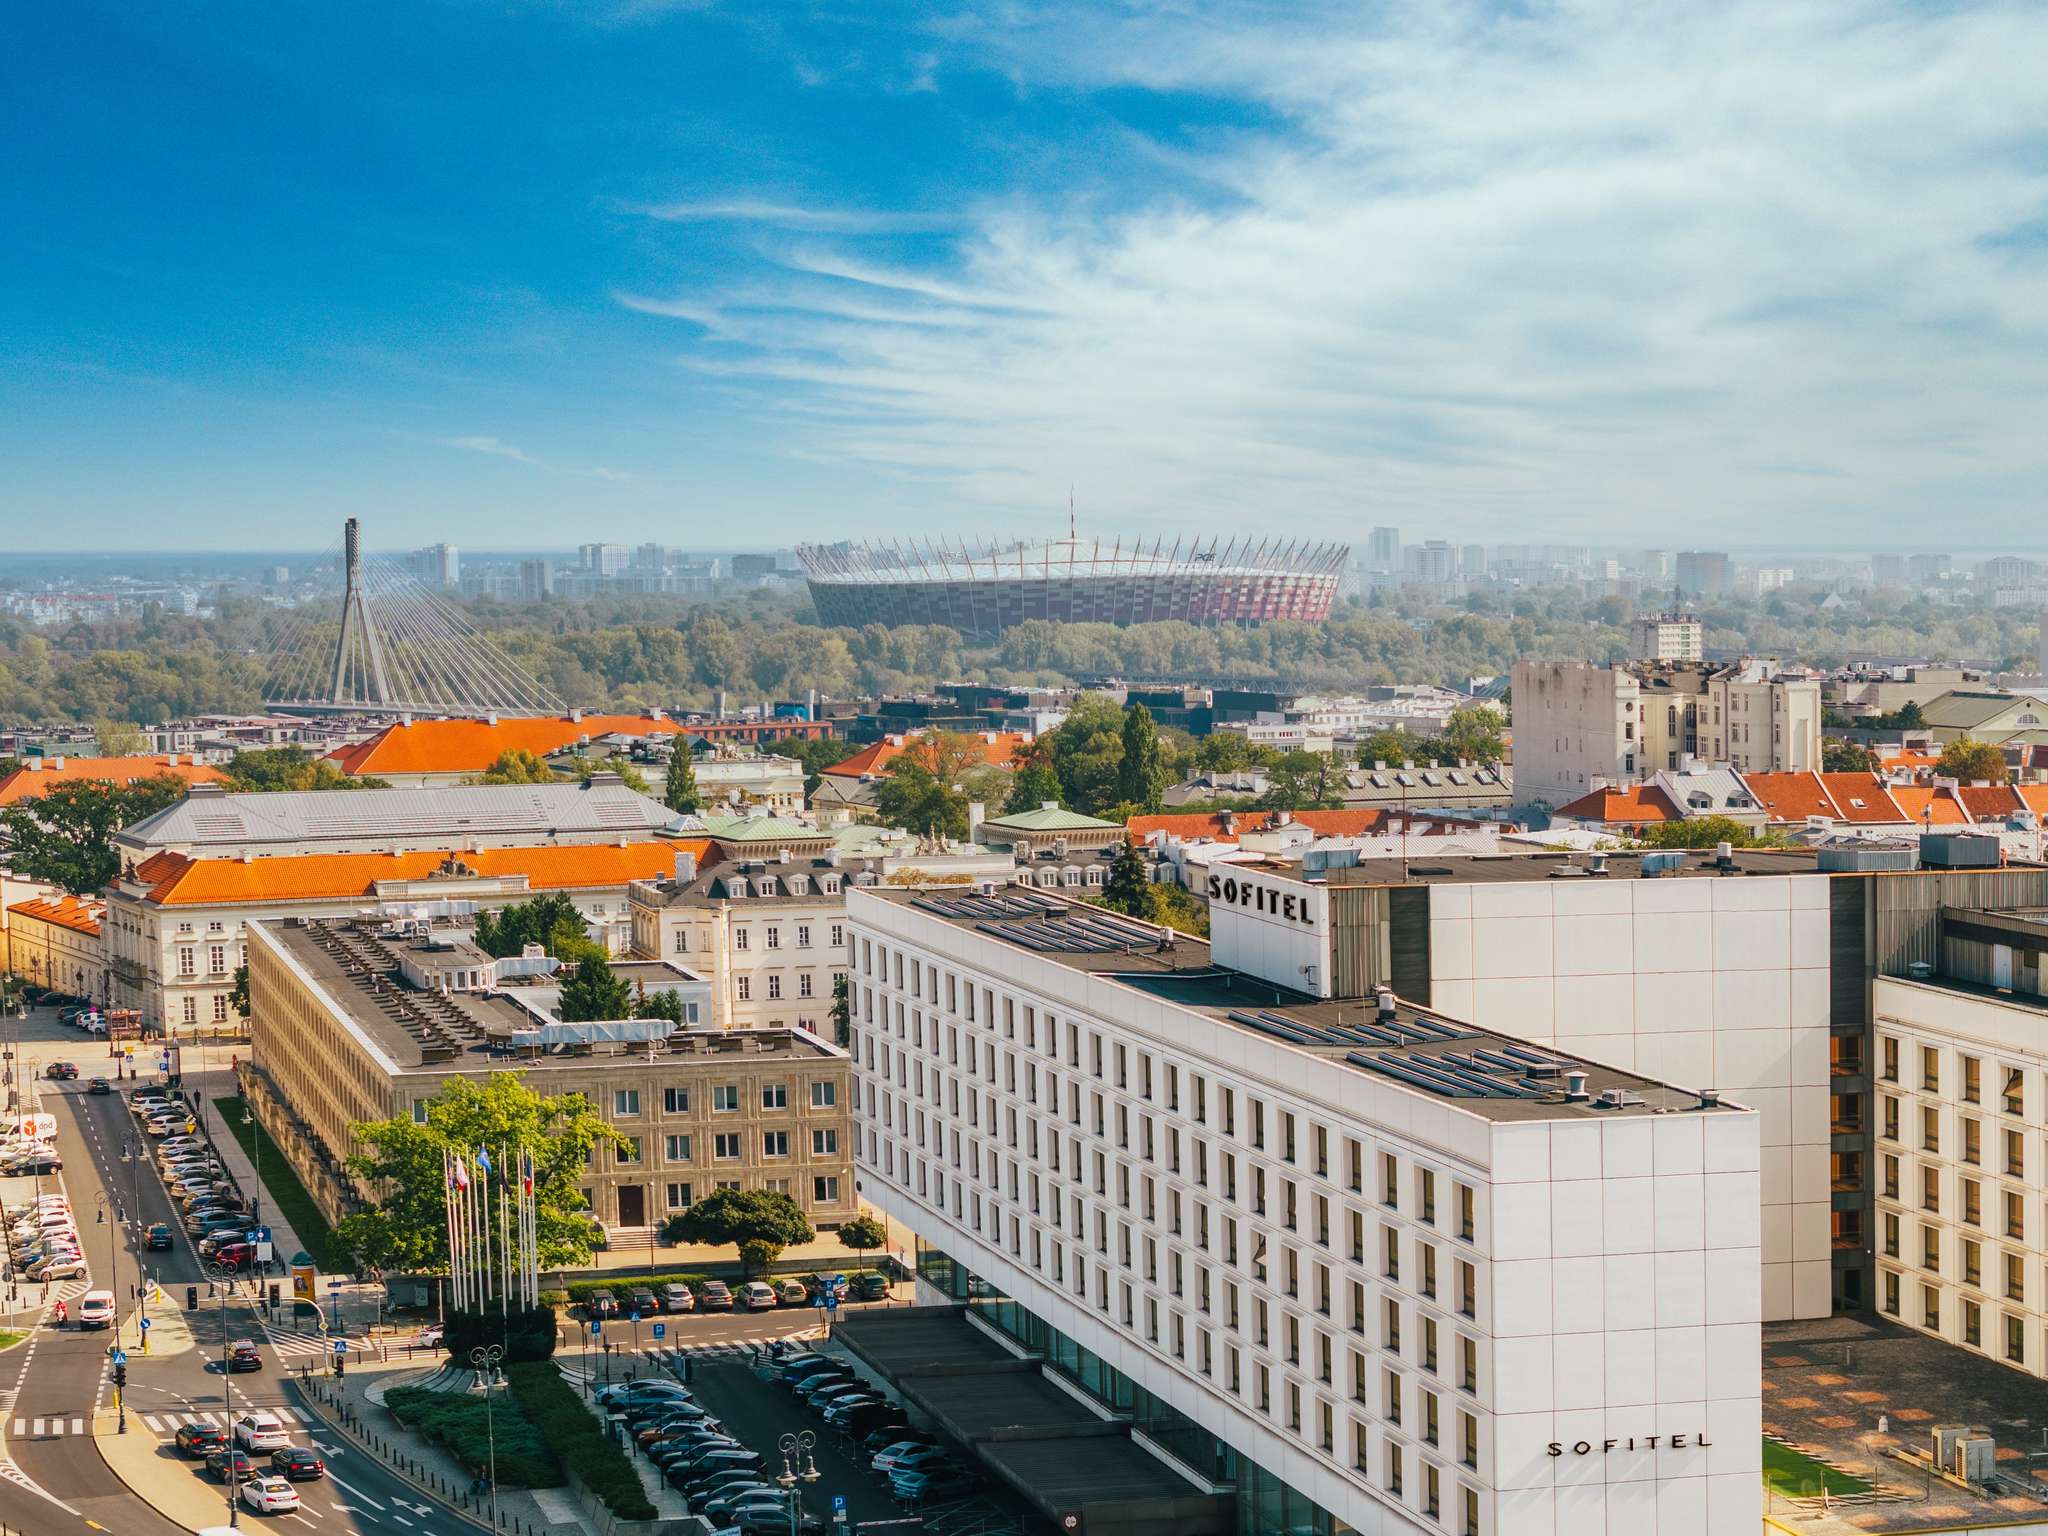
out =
column 832, row 1302
column 119, row 1356
column 341, row 1346
column 660, row 1329
column 838, row 1501
column 633, row 1316
column 596, row 1326
column 145, row 1325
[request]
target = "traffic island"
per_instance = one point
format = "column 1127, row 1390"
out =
column 154, row 1472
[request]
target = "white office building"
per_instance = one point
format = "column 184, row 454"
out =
column 1372, row 1268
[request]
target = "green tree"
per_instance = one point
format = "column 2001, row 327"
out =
column 1303, row 781
column 64, row 837
column 666, row 1003
column 817, row 754
column 842, row 1010
column 1141, row 771
column 1968, row 760
column 1230, row 752
column 1705, row 832
column 399, row 1164
column 629, row 775
column 1846, row 757
column 1127, row 889
column 1087, row 752
column 911, row 797
column 595, row 992
column 518, row 766
column 550, row 921
column 740, row 1217
column 263, row 770
column 757, row 1254
column 1907, row 717
column 238, row 995
column 1472, row 735
column 680, row 794
column 863, row 1235
column 1032, row 785
column 119, row 738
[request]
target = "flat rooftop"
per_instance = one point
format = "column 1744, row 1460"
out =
column 432, row 1030
column 1621, row 864
column 1498, row 1076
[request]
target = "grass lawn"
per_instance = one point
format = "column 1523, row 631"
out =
column 1802, row 1477
column 286, row 1193
column 10, row 1337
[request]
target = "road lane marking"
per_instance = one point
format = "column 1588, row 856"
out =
column 38, row 1426
column 78, row 1426
column 353, row 1493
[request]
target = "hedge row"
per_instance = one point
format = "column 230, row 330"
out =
column 575, row 1435
column 623, row 1285
column 455, row 1421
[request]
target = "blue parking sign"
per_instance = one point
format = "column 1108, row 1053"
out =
column 838, row 1502
column 660, row 1329
column 596, row 1326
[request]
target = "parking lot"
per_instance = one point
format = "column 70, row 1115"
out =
column 756, row 1409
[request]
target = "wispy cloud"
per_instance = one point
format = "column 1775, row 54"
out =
column 836, row 221
column 1569, row 268
column 497, row 447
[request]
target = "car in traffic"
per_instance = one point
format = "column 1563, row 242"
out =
column 99, row 1087
column 159, row 1236
column 60, row 1071
column 716, row 1296
column 243, row 1355
column 298, row 1463
column 199, row 1440
column 677, row 1297
column 261, row 1430
column 270, row 1495
column 224, row 1458
column 96, row 1309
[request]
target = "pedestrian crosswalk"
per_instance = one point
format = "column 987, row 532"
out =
column 39, row 1429
column 167, row 1423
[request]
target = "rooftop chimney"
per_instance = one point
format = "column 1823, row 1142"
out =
column 1386, row 1002
column 576, row 716
column 686, row 868
column 1575, row 1088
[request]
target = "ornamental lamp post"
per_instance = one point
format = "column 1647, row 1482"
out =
column 798, row 1465
column 485, row 1358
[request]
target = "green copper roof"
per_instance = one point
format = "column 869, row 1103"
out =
column 760, row 829
column 1054, row 820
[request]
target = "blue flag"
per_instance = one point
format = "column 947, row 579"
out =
column 483, row 1161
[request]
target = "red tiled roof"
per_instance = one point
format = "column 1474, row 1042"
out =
column 471, row 746
column 1861, row 797
column 999, row 749
column 1918, row 800
column 1626, row 805
column 1990, row 802
column 29, row 781
column 1792, row 796
column 64, row 911
column 176, row 880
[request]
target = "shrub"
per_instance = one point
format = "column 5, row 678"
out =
column 554, row 1298
column 526, row 1335
column 573, row 1433
column 455, row 1421
column 581, row 1290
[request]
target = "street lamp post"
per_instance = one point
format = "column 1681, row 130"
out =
column 256, row 1157
column 485, row 1358
column 222, row 1278
column 799, row 1465
column 113, row 1290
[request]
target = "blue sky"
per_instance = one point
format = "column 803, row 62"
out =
column 523, row 274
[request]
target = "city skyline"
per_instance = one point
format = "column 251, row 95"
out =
column 656, row 269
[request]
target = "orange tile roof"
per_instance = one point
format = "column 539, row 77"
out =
column 471, row 746
column 1903, row 758
column 1861, row 797
column 1792, row 796
column 1628, row 804
column 176, row 880
column 1188, row 825
column 999, row 749
column 1990, row 802
column 2035, row 797
column 27, row 783
column 64, row 911
column 1917, row 800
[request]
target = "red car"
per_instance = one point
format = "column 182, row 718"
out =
column 234, row 1255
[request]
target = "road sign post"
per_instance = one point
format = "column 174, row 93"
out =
column 659, row 1330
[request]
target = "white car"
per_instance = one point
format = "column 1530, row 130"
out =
column 96, row 1309
column 270, row 1495
column 261, row 1431
column 58, row 1269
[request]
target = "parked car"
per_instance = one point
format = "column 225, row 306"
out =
column 270, row 1495
column 721, row 1483
column 792, row 1293
column 839, row 1414
column 940, row 1481
column 298, row 1463
column 640, row 1301
column 870, row 1286
column 57, row 1268
column 677, row 1298
column 199, row 1440
column 602, row 1304
column 866, row 1419
column 757, row 1296
column 715, row 1296
column 911, row 1458
column 797, row 1367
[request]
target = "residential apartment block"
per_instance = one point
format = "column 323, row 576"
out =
column 1368, row 1265
column 1667, row 637
column 365, row 1019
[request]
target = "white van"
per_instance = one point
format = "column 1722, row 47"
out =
column 96, row 1309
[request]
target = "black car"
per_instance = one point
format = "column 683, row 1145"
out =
column 219, row 1459
column 244, row 1357
column 60, row 1071
column 298, row 1464
column 99, row 1086
column 199, row 1439
column 158, row 1236
column 602, row 1304
column 870, row 1287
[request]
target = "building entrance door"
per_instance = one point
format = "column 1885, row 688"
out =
column 632, row 1206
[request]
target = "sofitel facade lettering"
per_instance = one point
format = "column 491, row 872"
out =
column 1242, row 893
column 1647, row 1443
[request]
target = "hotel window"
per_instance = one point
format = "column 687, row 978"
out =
column 825, row 1191
column 1891, row 1236
column 1891, row 1293
column 1470, row 1522
column 2015, row 1214
column 1393, row 1468
column 1890, row 1070
column 676, row 1148
column 1973, row 1202
column 1425, row 1194
column 1465, row 1210
column 775, row 1095
column 824, row 1095
column 2016, row 1154
column 1973, row 1140
column 775, row 1143
column 1432, row 1491
column 1930, row 1189
column 625, row 1101
column 1390, row 1182
column 675, row 1101
column 1930, row 1306
column 1390, row 1397
column 1468, row 1290
column 725, row 1146
column 725, row 1098
column 1973, row 1262
column 1930, row 1129
column 1930, row 1069
column 1891, row 1118
column 629, row 1151
column 825, row 1143
column 679, row 1197
column 1973, row 1323
column 2015, row 1277
column 2016, row 1339
column 1891, row 1177
column 1930, row 1249
column 1468, row 1364
column 1973, row 1080
column 1390, row 1332
column 1468, row 1440
column 2015, row 1091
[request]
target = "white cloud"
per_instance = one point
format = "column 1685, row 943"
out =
column 497, row 447
column 1594, row 268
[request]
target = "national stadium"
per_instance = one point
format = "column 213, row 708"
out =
column 1073, row 581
